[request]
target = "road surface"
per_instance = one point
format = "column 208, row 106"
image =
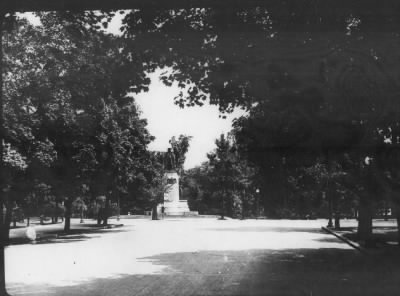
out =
column 199, row 257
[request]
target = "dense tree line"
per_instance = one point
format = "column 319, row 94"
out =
column 72, row 130
column 320, row 84
column 320, row 81
column 225, row 184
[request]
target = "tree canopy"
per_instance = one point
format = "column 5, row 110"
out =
column 70, row 115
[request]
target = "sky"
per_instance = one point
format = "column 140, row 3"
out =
column 165, row 119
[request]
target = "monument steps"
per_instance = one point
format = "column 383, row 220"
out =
column 191, row 216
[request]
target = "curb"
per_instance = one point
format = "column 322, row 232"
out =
column 344, row 239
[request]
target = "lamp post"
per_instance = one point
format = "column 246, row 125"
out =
column 285, row 183
column 223, row 205
column 330, row 223
column 119, row 209
column 257, row 203
column 81, row 212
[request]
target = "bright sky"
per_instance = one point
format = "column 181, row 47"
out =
column 165, row 119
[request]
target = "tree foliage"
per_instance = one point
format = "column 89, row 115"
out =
column 70, row 113
column 319, row 81
column 224, row 184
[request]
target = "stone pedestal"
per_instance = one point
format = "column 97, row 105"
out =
column 173, row 206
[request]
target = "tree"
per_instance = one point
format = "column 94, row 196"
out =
column 74, row 92
column 344, row 60
column 198, row 188
column 110, row 139
column 335, row 50
column 344, row 65
column 56, row 78
column 222, row 164
column 155, row 184
column 224, row 184
column 231, row 176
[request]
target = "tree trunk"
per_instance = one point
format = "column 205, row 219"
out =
column 4, row 227
column 398, row 227
column 6, row 234
column 330, row 209
column 154, row 214
column 397, row 213
column 4, row 241
column 223, row 205
column 28, row 220
column 337, row 213
column 243, row 204
column 365, row 221
column 3, row 290
column 337, row 220
column 106, row 212
column 68, row 210
column 99, row 216
column 56, row 213
column 81, row 214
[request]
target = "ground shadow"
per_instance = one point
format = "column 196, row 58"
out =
column 266, row 229
column 59, row 236
column 319, row 272
column 327, row 239
column 377, row 237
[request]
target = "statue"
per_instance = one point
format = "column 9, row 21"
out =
column 172, row 160
column 169, row 160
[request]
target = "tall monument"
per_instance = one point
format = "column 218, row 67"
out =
column 173, row 205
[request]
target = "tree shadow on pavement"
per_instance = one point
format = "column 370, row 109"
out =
column 380, row 236
column 59, row 236
column 266, row 229
column 327, row 239
column 256, row 272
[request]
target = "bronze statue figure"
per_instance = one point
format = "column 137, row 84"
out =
column 169, row 160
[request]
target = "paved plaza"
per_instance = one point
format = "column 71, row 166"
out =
column 200, row 256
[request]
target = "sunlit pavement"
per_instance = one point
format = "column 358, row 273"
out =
column 197, row 257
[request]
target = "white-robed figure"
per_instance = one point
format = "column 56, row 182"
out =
column 31, row 233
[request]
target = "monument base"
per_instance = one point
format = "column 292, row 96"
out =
column 174, row 208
